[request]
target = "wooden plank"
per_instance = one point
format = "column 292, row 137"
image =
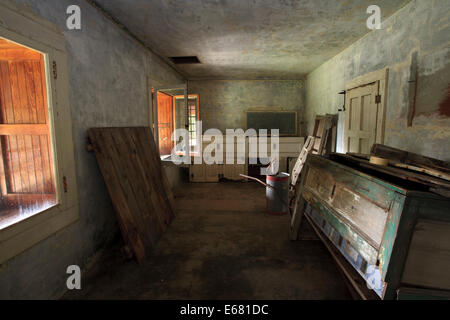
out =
column 31, row 91
column 6, row 107
column 307, row 147
column 150, row 196
column 23, row 129
column 367, row 217
column 429, row 171
column 323, row 132
column 41, row 94
column 131, row 182
column 144, row 134
column 297, row 214
column 3, row 178
column 136, row 182
column 397, row 172
column 375, row 189
column 407, row 175
column 345, row 229
column 38, row 164
column 406, row 157
column 47, row 164
column 120, row 201
column 149, row 159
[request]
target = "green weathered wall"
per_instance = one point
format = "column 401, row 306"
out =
column 223, row 102
column 422, row 26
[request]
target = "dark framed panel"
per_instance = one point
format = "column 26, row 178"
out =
column 284, row 121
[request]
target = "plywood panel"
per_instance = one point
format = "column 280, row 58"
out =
column 136, row 183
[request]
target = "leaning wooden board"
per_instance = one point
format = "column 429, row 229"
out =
column 136, row 183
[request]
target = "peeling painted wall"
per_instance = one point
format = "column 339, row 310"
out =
column 223, row 102
column 108, row 87
column 422, row 26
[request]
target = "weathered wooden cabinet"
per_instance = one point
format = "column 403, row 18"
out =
column 393, row 233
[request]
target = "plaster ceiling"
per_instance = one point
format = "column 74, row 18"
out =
column 247, row 39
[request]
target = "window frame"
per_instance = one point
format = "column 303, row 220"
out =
column 197, row 114
column 41, row 35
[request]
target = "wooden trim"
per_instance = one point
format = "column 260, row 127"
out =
column 18, row 55
column 368, row 78
column 24, row 234
column 23, row 129
column 190, row 96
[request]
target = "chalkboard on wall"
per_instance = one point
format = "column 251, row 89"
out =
column 285, row 121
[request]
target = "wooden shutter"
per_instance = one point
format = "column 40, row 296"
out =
column 165, row 123
column 26, row 172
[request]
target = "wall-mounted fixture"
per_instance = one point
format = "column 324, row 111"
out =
column 343, row 92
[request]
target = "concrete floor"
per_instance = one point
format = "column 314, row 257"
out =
column 222, row 245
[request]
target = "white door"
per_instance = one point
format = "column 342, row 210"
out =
column 361, row 112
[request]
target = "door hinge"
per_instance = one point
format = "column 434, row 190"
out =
column 65, row 184
column 55, row 70
column 378, row 98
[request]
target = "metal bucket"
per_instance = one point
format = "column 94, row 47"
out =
column 277, row 193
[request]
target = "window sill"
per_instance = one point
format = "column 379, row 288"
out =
column 18, row 237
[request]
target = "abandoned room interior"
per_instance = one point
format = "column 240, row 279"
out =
column 224, row 150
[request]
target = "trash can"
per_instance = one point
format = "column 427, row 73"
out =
column 277, row 193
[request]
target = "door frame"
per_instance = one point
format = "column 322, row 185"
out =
column 380, row 78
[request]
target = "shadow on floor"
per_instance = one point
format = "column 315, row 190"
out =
column 222, row 245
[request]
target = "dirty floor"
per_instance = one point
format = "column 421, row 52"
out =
column 222, row 245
